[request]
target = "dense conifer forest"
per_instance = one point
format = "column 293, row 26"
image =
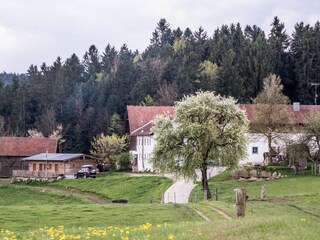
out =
column 89, row 95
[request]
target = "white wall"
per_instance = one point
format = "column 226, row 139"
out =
column 261, row 143
column 145, row 146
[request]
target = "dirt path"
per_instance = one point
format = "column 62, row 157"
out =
column 223, row 214
column 202, row 215
column 74, row 193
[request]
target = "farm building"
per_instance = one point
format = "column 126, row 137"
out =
column 13, row 149
column 142, row 140
column 51, row 165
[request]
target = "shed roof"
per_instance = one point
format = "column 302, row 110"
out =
column 60, row 157
column 24, row 146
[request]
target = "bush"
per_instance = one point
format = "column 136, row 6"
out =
column 123, row 162
column 270, row 168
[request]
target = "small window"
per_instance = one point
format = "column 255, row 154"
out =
column 34, row 167
column 254, row 150
column 40, row 167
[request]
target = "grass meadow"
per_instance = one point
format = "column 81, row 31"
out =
column 142, row 189
column 292, row 212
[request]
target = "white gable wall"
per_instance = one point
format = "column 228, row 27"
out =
column 144, row 148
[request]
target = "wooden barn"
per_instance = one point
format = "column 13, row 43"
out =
column 13, row 149
column 51, row 165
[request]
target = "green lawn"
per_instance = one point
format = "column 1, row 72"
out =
column 290, row 187
column 23, row 218
column 42, row 215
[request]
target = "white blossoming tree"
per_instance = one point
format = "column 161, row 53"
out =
column 207, row 130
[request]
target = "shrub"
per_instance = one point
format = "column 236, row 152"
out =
column 270, row 168
column 123, row 162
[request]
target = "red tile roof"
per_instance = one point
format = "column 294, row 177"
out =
column 144, row 130
column 25, row 147
column 141, row 115
column 300, row 116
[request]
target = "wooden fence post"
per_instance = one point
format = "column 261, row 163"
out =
column 216, row 194
column 263, row 191
column 241, row 199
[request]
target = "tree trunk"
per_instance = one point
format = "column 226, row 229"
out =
column 270, row 150
column 205, row 184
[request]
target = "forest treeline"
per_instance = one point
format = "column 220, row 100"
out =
column 89, row 96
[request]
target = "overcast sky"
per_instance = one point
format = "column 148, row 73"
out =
column 37, row 31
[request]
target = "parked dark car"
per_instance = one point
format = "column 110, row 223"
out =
column 86, row 171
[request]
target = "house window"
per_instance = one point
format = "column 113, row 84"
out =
column 56, row 166
column 254, row 150
column 34, row 167
column 50, row 166
column 40, row 167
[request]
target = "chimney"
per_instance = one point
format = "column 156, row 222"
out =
column 296, row 106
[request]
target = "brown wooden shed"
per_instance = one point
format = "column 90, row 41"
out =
column 47, row 165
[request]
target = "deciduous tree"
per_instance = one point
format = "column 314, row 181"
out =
column 108, row 147
column 208, row 130
column 270, row 111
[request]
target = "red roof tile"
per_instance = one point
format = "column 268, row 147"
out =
column 141, row 115
column 25, row 147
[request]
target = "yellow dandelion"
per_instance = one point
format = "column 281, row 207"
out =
column 171, row 236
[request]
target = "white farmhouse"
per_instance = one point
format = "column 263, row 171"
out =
column 142, row 141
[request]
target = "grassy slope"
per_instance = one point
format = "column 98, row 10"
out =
column 12, row 196
column 118, row 185
column 292, row 186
